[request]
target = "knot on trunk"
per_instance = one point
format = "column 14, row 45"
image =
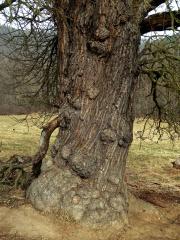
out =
column 108, row 136
column 85, row 166
column 92, row 93
column 66, row 152
column 123, row 18
column 76, row 104
column 125, row 141
column 66, row 119
column 99, row 48
column 114, row 179
column 118, row 203
column 122, row 13
column 102, row 33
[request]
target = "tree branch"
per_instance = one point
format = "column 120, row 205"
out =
column 160, row 22
column 44, row 139
column 6, row 4
column 154, row 4
column 44, row 145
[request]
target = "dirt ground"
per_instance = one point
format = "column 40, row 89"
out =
column 19, row 221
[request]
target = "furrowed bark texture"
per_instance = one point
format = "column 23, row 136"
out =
column 98, row 44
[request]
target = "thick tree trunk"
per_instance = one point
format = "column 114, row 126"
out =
column 98, row 45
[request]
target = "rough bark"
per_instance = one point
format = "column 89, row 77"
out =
column 98, row 45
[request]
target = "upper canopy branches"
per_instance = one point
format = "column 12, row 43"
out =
column 6, row 4
column 157, row 22
column 154, row 4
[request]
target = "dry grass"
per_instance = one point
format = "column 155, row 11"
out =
column 18, row 136
column 22, row 137
column 148, row 160
column 151, row 161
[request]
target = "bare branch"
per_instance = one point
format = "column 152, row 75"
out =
column 6, row 4
column 44, row 145
column 161, row 21
column 44, row 140
column 154, row 4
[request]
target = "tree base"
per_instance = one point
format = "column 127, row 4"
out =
column 60, row 191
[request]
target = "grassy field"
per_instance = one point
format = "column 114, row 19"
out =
column 147, row 159
column 151, row 160
column 21, row 136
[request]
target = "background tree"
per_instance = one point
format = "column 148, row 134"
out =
column 98, row 65
column 160, row 75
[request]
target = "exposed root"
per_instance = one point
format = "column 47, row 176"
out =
column 21, row 170
column 156, row 194
column 16, row 171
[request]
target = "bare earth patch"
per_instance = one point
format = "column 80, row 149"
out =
column 146, row 222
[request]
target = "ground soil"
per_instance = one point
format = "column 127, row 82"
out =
column 19, row 221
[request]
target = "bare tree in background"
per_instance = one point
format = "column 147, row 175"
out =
column 98, row 65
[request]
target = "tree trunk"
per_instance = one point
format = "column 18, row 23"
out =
column 98, row 48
